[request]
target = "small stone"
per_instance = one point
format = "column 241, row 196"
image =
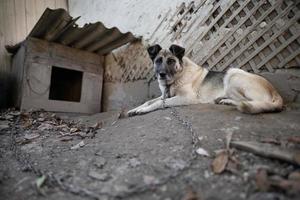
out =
column 100, row 162
column 77, row 146
column 133, row 162
column 150, row 180
column 100, row 177
column 206, row 174
column 168, row 118
column 41, row 119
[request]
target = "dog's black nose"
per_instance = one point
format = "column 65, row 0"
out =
column 162, row 75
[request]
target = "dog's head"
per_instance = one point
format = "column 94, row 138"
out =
column 167, row 62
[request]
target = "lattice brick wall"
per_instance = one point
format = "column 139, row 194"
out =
column 264, row 35
column 255, row 35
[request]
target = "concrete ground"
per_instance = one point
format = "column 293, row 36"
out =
column 141, row 157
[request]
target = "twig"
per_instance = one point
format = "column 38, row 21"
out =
column 268, row 151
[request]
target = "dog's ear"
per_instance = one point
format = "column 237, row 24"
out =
column 153, row 51
column 178, row 51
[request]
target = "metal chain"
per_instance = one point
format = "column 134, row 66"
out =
column 57, row 181
column 186, row 124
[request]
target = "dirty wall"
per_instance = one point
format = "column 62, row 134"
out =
column 17, row 18
column 257, row 36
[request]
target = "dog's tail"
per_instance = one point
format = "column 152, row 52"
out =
column 255, row 107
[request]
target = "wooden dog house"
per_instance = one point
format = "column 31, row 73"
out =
column 59, row 67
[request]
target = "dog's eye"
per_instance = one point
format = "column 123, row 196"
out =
column 158, row 60
column 170, row 61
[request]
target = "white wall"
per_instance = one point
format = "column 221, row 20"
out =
column 141, row 17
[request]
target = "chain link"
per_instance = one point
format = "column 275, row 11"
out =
column 186, row 124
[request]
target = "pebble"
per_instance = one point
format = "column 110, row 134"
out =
column 100, row 162
column 100, row 177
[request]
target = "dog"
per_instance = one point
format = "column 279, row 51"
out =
column 183, row 82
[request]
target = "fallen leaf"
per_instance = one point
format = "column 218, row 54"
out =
column 31, row 136
column 261, row 179
column 45, row 126
column 190, row 195
column 97, row 125
column 294, row 175
column 294, row 139
column 73, row 130
column 289, row 186
column 77, row 146
column 202, row 152
column 40, row 181
column 220, row 162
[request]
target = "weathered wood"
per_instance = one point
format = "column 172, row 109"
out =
column 40, row 51
column 268, row 151
column 240, row 23
column 255, row 38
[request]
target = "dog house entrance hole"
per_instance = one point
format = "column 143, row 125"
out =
column 65, row 84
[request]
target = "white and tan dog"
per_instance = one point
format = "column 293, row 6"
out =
column 183, row 82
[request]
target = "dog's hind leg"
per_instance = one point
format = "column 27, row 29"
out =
column 226, row 101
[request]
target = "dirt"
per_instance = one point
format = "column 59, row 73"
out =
column 141, row 157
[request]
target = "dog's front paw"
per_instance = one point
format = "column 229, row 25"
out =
column 131, row 113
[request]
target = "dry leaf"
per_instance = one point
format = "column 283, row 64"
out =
column 294, row 139
column 190, row 195
column 220, row 162
column 294, row 175
column 31, row 136
column 97, row 125
column 261, row 179
column 73, row 130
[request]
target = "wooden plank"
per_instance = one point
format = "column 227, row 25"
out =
column 38, row 46
column 268, row 151
column 247, row 31
column 263, row 31
column 289, row 58
column 199, row 24
column 17, row 75
column 284, row 45
column 60, row 106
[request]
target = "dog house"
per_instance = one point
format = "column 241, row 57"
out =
column 59, row 67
